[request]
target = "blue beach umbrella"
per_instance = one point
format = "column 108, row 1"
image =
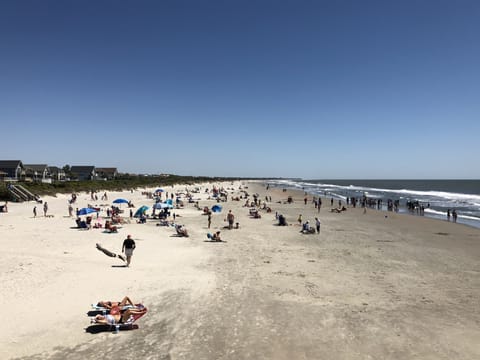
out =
column 159, row 190
column 216, row 208
column 141, row 210
column 85, row 211
column 120, row 201
column 163, row 206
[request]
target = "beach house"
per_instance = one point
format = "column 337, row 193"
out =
column 84, row 172
column 106, row 173
column 37, row 173
column 56, row 173
column 12, row 170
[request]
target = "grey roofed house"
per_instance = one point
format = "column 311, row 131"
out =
column 37, row 172
column 13, row 169
column 107, row 172
column 84, row 172
column 56, row 173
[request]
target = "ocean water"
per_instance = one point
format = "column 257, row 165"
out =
column 437, row 196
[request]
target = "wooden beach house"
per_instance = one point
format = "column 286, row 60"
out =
column 12, row 170
column 84, row 172
column 37, row 173
column 106, row 173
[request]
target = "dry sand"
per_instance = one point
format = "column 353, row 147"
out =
column 370, row 286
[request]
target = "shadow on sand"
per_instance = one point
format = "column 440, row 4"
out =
column 95, row 312
column 99, row 328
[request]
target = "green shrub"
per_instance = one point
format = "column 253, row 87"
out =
column 124, row 182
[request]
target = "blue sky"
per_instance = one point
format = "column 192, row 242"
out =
column 311, row 89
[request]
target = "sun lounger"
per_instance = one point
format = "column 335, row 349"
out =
column 128, row 324
column 101, row 309
column 82, row 224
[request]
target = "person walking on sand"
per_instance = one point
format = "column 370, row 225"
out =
column 34, row 211
column 209, row 219
column 317, row 225
column 230, row 219
column 45, row 209
column 128, row 247
column 299, row 219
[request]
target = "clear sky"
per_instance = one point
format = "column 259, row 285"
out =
column 251, row 88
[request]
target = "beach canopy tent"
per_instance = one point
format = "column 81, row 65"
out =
column 216, row 208
column 140, row 211
column 120, row 201
column 85, row 211
column 160, row 205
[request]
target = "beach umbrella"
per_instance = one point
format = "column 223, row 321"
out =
column 163, row 206
column 159, row 190
column 120, row 201
column 216, row 208
column 141, row 210
column 85, row 211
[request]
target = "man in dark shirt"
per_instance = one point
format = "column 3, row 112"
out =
column 128, row 247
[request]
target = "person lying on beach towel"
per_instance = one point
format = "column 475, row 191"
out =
column 110, row 304
column 117, row 316
column 338, row 210
column 165, row 223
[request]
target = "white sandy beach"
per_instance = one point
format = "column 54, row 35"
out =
column 370, row 286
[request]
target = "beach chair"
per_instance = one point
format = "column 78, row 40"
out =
column 96, row 309
column 83, row 225
column 129, row 324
